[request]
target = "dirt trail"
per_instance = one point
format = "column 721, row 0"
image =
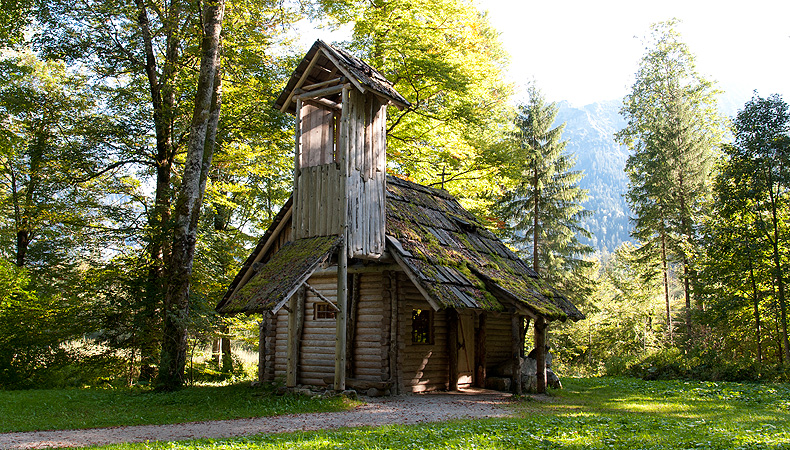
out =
column 404, row 409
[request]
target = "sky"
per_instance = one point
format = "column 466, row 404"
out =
column 588, row 51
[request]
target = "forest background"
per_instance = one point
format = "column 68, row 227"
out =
column 97, row 105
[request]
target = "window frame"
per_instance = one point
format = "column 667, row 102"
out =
column 324, row 311
column 422, row 326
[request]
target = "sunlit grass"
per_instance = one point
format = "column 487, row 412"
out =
column 600, row 413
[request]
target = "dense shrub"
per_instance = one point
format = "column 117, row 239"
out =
column 672, row 364
column 34, row 329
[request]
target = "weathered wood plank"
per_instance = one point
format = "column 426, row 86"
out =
column 540, row 358
column 452, row 349
column 480, row 351
column 515, row 353
column 292, row 356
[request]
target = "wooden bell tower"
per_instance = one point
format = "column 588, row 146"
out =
column 340, row 104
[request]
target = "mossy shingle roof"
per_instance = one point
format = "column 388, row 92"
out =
column 276, row 280
column 457, row 261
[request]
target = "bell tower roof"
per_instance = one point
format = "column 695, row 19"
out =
column 325, row 65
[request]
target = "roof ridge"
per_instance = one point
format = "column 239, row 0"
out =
column 420, row 187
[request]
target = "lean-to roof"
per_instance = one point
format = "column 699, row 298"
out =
column 277, row 279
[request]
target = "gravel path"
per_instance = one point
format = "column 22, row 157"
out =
column 404, row 409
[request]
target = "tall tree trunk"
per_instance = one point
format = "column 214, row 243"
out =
column 780, row 284
column 687, row 294
column 664, row 271
column 757, row 327
column 686, row 230
column 22, row 243
column 535, row 234
column 162, row 101
column 187, row 210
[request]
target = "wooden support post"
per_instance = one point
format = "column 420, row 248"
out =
column 262, row 349
column 480, row 351
column 394, row 341
column 292, row 357
column 342, row 256
column 340, row 330
column 540, row 357
column 452, row 349
column 515, row 335
column 351, row 322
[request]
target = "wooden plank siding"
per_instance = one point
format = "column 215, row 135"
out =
column 317, row 205
column 466, row 352
column 317, row 136
column 421, row 367
column 366, row 182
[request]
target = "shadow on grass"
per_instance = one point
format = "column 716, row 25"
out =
column 60, row 409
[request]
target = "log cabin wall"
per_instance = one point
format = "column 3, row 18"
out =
column 269, row 339
column 499, row 341
column 281, row 344
column 317, row 355
column 421, row 367
column 368, row 330
column 317, row 343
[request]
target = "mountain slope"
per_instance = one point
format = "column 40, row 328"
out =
column 589, row 132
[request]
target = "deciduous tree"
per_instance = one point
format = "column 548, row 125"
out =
column 445, row 58
column 758, row 170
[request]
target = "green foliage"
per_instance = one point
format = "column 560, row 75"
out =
column 598, row 413
column 672, row 364
column 746, row 245
column 623, row 318
column 93, row 408
column 445, row 58
column 33, row 331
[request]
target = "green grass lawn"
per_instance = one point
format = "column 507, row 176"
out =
column 61, row 409
column 599, row 413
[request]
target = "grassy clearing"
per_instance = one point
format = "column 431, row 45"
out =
column 599, row 413
column 60, row 409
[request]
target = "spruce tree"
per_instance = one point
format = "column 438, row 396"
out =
column 543, row 209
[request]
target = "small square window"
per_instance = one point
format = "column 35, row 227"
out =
column 323, row 311
column 422, row 326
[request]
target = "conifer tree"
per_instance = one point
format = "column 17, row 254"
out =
column 544, row 207
column 672, row 130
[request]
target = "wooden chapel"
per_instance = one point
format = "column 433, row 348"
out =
column 368, row 280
